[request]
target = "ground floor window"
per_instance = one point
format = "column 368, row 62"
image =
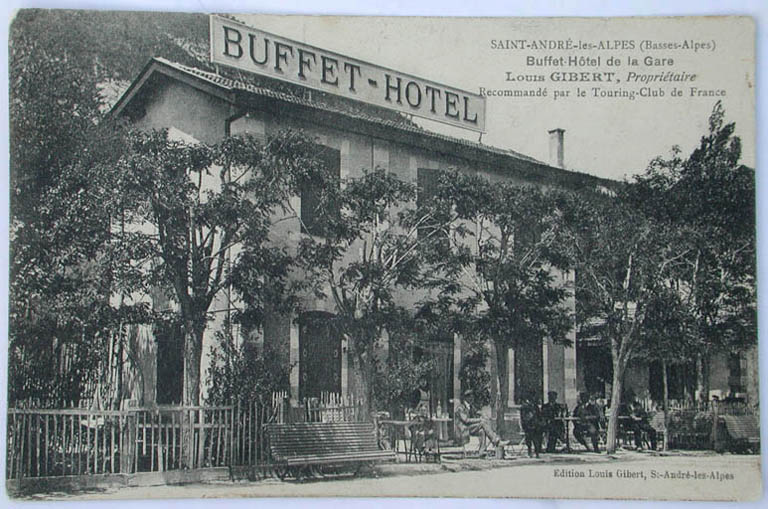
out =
column 529, row 372
column 596, row 367
column 681, row 381
column 319, row 355
column 170, row 363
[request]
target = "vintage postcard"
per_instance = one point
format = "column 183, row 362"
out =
column 260, row 255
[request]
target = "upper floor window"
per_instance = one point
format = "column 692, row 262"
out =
column 427, row 180
column 311, row 194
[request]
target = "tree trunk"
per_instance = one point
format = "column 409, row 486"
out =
column 120, row 367
column 193, row 349
column 665, row 402
column 502, row 376
column 619, row 366
column 704, row 358
column 366, row 380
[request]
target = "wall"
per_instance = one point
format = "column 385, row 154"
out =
column 202, row 117
column 190, row 116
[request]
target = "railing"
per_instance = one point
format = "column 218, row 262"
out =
column 49, row 442
column 249, row 441
column 78, row 441
column 63, row 442
column 329, row 407
column 693, row 425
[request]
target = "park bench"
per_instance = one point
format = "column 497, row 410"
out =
column 738, row 433
column 299, row 447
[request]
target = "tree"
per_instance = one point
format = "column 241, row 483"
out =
column 202, row 214
column 240, row 372
column 364, row 251
column 667, row 263
column 62, row 323
column 66, row 68
column 62, row 64
column 62, row 272
column 405, row 370
column 492, row 252
column 623, row 261
column 667, row 337
column 711, row 198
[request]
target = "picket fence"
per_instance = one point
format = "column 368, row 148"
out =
column 44, row 442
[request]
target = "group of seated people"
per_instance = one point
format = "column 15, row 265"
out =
column 548, row 420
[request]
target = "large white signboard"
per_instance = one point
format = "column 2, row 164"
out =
column 253, row 50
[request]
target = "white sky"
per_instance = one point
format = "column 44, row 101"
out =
column 607, row 137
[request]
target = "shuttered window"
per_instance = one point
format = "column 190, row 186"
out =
column 312, row 216
column 427, row 190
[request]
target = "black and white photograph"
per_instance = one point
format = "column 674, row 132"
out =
column 263, row 255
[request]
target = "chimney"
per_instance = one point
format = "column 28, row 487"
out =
column 556, row 150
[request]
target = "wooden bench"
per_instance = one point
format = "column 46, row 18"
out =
column 298, row 447
column 738, row 433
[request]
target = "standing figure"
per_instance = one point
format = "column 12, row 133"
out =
column 551, row 413
column 588, row 418
column 467, row 425
column 531, row 422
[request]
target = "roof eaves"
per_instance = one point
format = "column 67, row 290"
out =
column 168, row 68
column 228, row 86
column 263, row 91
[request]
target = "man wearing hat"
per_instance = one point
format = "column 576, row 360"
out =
column 532, row 424
column 466, row 425
column 588, row 419
column 551, row 413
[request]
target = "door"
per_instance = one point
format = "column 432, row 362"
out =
column 319, row 355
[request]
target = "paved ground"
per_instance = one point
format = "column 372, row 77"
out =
column 583, row 475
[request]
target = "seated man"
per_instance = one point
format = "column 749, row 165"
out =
column 467, row 425
column 640, row 423
column 588, row 418
column 551, row 412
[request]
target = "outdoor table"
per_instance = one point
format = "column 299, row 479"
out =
column 441, row 427
column 398, row 433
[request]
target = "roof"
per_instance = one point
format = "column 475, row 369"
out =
column 236, row 89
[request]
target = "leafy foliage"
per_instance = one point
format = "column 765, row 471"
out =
column 62, row 268
column 710, row 199
column 474, row 374
column 403, row 373
column 664, row 263
column 363, row 217
column 203, row 215
column 243, row 372
column 495, row 269
column 493, row 247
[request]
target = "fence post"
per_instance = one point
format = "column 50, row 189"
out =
column 128, row 439
column 715, row 419
column 201, row 440
column 232, row 441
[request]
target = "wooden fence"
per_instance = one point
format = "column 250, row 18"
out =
column 694, row 425
column 329, row 407
column 77, row 441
